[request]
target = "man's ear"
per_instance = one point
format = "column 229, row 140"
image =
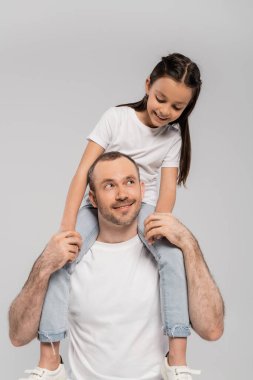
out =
column 93, row 199
column 147, row 85
column 142, row 184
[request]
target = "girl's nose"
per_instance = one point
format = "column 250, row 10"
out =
column 167, row 112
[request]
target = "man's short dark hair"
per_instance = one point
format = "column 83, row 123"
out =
column 109, row 156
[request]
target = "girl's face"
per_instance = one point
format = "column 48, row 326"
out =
column 167, row 99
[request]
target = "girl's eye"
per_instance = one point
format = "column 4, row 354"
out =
column 177, row 109
column 160, row 100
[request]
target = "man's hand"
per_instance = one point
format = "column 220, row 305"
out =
column 62, row 248
column 206, row 307
column 166, row 225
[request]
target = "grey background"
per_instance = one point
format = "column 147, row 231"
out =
column 62, row 64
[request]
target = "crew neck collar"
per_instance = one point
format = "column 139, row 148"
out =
column 115, row 246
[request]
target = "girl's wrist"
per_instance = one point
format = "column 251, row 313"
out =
column 64, row 228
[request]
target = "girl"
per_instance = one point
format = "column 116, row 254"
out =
column 155, row 133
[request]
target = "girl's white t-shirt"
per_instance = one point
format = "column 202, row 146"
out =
column 115, row 325
column 120, row 129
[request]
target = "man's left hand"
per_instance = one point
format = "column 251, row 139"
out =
column 165, row 224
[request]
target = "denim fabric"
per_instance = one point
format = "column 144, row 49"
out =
column 173, row 286
column 54, row 318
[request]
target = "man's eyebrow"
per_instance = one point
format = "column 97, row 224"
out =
column 107, row 180
column 132, row 176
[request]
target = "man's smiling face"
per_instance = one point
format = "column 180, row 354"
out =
column 118, row 191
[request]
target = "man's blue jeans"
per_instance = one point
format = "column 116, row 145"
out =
column 173, row 286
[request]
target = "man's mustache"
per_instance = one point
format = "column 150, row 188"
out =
column 123, row 203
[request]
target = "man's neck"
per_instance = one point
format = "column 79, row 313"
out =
column 112, row 233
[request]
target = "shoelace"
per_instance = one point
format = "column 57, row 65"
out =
column 36, row 373
column 182, row 373
column 188, row 371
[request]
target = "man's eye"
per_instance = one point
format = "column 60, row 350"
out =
column 108, row 185
column 130, row 182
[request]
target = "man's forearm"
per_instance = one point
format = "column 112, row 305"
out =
column 206, row 307
column 25, row 311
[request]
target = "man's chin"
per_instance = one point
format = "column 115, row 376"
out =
column 121, row 217
column 123, row 220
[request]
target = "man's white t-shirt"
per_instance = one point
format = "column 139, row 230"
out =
column 115, row 326
column 120, row 129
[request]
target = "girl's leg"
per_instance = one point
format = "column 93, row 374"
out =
column 47, row 360
column 54, row 318
column 173, row 290
column 177, row 351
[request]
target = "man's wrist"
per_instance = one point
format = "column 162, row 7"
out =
column 189, row 245
column 43, row 266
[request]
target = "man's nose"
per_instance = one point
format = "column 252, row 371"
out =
column 121, row 193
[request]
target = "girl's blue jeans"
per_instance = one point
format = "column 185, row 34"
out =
column 173, row 286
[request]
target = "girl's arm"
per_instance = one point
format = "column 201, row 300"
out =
column 167, row 193
column 78, row 186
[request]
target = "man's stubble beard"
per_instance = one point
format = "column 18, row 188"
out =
column 119, row 221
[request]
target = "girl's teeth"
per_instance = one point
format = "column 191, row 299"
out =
column 162, row 118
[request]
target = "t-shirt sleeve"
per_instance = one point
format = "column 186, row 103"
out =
column 172, row 158
column 102, row 133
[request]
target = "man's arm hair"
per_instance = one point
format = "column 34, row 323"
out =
column 25, row 310
column 206, row 306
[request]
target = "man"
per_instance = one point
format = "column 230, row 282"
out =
column 114, row 314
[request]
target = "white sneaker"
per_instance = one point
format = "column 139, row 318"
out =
column 177, row 372
column 44, row 374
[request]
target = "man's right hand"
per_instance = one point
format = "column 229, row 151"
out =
column 62, row 248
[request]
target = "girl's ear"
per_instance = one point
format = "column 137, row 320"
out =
column 147, row 85
column 93, row 199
